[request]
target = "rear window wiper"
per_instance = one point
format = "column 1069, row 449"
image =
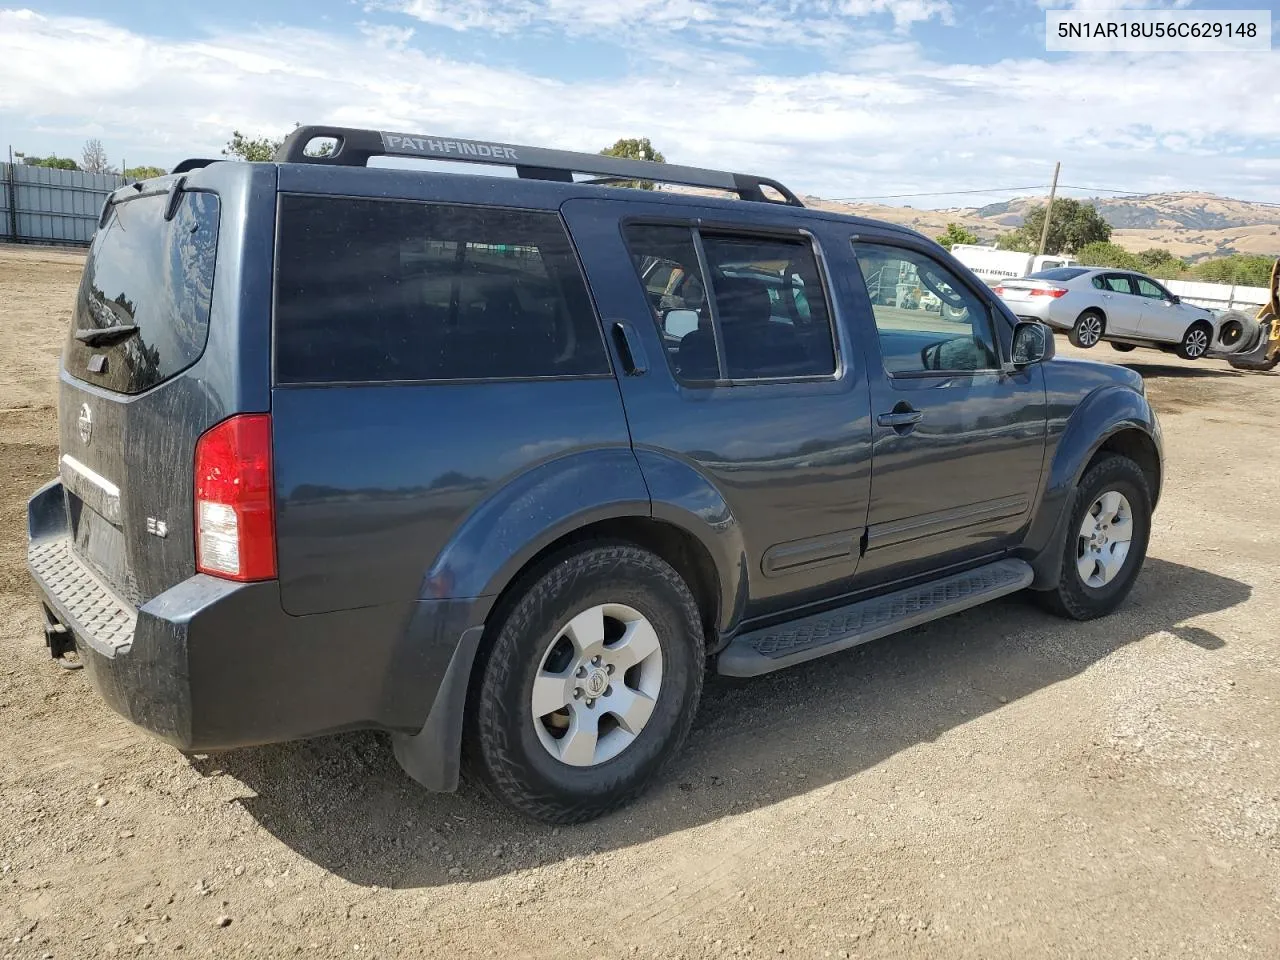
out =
column 98, row 336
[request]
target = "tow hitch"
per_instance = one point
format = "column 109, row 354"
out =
column 62, row 647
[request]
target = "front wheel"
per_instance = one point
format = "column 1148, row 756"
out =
column 1087, row 330
column 1106, row 541
column 590, row 686
column 1195, row 342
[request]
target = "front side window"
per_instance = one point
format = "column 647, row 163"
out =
column 372, row 291
column 927, row 319
column 1149, row 290
column 766, row 316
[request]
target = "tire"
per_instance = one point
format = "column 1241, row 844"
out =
column 1088, row 329
column 552, row 768
column 1123, row 347
column 1073, row 597
column 1196, row 341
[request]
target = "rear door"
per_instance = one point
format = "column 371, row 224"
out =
column 749, row 385
column 130, row 410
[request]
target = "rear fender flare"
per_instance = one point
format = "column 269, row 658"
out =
column 530, row 512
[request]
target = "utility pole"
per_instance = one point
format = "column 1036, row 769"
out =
column 1048, row 211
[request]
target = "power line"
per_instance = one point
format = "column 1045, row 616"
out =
column 938, row 193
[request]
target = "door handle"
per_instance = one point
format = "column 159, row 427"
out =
column 903, row 418
column 630, row 350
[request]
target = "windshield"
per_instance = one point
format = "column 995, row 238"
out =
column 1060, row 274
column 149, row 282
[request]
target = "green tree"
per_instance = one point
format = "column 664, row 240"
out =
column 1107, row 254
column 634, row 148
column 1073, row 226
column 956, row 234
column 1252, row 271
column 253, row 149
column 1016, row 240
column 57, row 163
column 263, row 149
column 144, row 173
column 1159, row 262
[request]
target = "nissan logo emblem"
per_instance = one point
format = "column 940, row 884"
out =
column 84, row 423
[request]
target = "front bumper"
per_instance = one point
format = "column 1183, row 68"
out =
column 211, row 664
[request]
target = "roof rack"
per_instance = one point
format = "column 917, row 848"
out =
column 353, row 148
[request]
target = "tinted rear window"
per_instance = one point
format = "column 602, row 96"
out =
column 387, row 290
column 152, row 273
column 1060, row 274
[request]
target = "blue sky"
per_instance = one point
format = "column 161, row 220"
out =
column 840, row 98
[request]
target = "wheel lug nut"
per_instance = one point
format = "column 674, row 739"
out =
column 577, row 693
column 582, row 672
column 595, row 660
column 590, row 702
column 609, row 669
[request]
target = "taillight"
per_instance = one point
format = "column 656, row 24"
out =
column 999, row 291
column 235, row 503
column 1054, row 292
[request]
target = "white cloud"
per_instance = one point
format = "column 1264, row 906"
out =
column 889, row 120
column 741, row 22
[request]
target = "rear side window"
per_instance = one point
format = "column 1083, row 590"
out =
column 770, row 318
column 371, row 291
column 142, row 312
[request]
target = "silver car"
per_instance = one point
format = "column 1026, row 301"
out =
column 1126, row 309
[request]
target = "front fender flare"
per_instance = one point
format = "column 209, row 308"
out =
column 1103, row 414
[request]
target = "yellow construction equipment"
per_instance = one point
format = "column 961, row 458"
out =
column 1263, row 353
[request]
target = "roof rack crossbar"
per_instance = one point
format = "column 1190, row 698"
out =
column 353, row 148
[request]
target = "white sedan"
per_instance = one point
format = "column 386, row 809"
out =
column 1126, row 309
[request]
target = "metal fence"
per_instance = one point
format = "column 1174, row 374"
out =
column 44, row 205
column 1220, row 296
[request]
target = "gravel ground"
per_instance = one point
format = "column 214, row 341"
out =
column 1000, row 783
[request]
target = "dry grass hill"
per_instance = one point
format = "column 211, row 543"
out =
column 1192, row 225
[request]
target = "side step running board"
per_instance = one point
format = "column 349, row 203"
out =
column 785, row 645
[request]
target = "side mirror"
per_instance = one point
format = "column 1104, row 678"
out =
column 1032, row 343
column 678, row 323
column 1174, row 299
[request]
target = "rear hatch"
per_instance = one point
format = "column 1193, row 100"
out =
column 129, row 417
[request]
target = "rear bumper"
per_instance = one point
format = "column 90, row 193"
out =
column 1040, row 308
column 211, row 664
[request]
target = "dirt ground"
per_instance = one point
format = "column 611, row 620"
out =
column 997, row 784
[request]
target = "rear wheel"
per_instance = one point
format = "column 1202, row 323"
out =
column 1123, row 347
column 590, row 686
column 1088, row 329
column 1106, row 541
column 1195, row 342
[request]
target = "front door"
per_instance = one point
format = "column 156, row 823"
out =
column 1121, row 303
column 959, row 440
column 748, row 396
column 1162, row 318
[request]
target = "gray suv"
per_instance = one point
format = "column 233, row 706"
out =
column 503, row 465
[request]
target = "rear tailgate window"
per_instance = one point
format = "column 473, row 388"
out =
column 151, row 274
